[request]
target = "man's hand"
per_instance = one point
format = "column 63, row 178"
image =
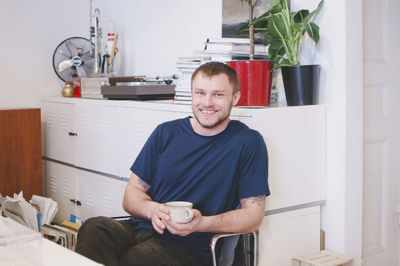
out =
column 184, row 229
column 159, row 214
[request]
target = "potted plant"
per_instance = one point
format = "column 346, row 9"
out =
column 255, row 76
column 283, row 31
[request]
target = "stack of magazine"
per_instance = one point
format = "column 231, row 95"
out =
column 229, row 49
column 186, row 65
column 38, row 211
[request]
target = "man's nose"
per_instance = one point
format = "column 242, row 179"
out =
column 209, row 100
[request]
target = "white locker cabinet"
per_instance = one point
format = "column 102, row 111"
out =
column 288, row 234
column 98, row 134
column 296, row 148
column 82, row 134
column 61, row 186
column 99, row 195
column 59, row 131
column 82, row 193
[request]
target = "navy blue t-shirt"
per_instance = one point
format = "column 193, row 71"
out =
column 213, row 172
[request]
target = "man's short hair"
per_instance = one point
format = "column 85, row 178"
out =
column 211, row 69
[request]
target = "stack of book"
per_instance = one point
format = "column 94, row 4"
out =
column 185, row 67
column 61, row 235
column 228, row 49
column 64, row 234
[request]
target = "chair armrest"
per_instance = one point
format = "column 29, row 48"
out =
column 216, row 237
column 121, row 218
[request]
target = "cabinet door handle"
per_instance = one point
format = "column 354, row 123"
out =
column 72, row 200
column 78, row 203
column 72, row 134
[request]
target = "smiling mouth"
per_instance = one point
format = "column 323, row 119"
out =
column 208, row 112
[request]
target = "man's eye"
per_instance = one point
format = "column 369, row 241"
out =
column 219, row 94
column 200, row 93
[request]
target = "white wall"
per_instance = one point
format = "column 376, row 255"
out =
column 154, row 32
column 30, row 32
column 151, row 35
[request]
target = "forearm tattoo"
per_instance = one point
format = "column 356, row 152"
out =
column 143, row 184
column 257, row 199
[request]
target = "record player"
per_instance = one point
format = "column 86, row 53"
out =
column 138, row 88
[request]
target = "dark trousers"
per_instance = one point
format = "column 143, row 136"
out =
column 112, row 242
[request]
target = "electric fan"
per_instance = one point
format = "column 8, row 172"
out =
column 74, row 57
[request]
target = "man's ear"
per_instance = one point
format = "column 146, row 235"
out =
column 236, row 98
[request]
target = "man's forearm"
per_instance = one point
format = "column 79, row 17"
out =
column 138, row 204
column 235, row 221
column 246, row 219
column 136, row 201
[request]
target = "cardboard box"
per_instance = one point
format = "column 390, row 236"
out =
column 323, row 258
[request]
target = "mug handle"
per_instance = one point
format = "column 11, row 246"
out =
column 189, row 214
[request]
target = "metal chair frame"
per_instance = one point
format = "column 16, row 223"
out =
column 246, row 240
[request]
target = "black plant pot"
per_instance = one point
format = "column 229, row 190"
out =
column 301, row 84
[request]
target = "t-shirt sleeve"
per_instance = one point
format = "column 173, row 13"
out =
column 254, row 169
column 145, row 164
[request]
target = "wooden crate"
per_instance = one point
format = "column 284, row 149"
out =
column 323, row 258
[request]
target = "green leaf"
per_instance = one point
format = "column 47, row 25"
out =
column 300, row 15
column 275, row 2
column 276, row 27
column 260, row 25
column 243, row 30
column 275, row 9
column 284, row 62
column 314, row 11
column 276, row 49
column 313, row 31
column 298, row 27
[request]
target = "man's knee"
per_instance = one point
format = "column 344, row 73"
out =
column 91, row 225
column 95, row 223
column 95, row 228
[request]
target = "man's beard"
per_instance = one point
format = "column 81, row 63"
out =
column 218, row 122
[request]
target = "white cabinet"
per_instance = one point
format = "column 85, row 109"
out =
column 82, row 134
column 296, row 146
column 97, row 137
column 99, row 195
column 59, row 131
column 61, row 186
column 287, row 234
column 82, row 193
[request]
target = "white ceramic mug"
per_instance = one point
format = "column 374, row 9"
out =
column 180, row 211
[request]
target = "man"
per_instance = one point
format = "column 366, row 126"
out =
column 209, row 160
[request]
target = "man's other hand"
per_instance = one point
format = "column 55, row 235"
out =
column 184, row 229
column 159, row 214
